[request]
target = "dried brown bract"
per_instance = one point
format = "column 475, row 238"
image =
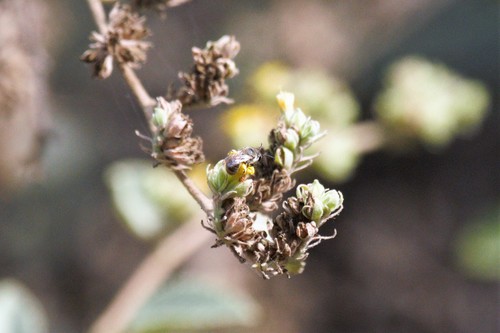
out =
column 268, row 192
column 123, row 42
column 238, row 226
column 172, row 143
column 206, row 83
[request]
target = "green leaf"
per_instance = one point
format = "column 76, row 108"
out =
column 338, row 158
column 478, row 248
column 430, row 102
column 191, row 305
column 20, row 311
column 150, row 201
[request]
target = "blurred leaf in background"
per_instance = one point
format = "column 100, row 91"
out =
column 326, row 98
column 20, row 310
column 249, row 124
column 25, row 123
column 478, row 247
column 431, row 102
column 150, row 201
column 187, row 306
column 338, row 157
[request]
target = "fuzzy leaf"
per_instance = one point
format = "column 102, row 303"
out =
column 149, row 200
column 20, row 311
column 189, row 306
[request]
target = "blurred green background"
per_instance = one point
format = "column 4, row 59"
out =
column 418, row 241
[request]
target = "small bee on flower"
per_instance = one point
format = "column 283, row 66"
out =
column 240, row 162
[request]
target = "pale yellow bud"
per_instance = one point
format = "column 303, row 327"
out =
column 285, row 101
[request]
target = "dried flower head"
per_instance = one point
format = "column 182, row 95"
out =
column 123, row 42
column 206, row 83
column 172, row 143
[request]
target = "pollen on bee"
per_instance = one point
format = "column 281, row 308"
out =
column 250, row 170
column 244, row 170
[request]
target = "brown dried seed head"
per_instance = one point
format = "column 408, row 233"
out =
column 180, row 126
column 227, row 47
column 212, row 66
column 172, row 141
column 306, row 230
column 183, row 156
column 122, row 41
column 238, row 222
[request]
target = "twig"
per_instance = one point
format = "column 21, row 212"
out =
column 129, row 75
column 170, row 253
column 99, row 15
column 147, row 103
column 204, row 202
column 138, row 89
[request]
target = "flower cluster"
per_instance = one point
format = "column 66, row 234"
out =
column 172, row 143
column 123, row 42
column 206, row 83
column 248, row 186
column 294, row 133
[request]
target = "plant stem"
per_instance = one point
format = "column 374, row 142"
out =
column 99, row 15
column 204, row 202
column 147, row 103
column 138, row 90
column 171, row 251
column 169, row 254
column 128, row 73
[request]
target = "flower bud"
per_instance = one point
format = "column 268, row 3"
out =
column 291, row 139
column 297, row 118
column 284, row 157
column 316, row 188
column 242, row 189
column 285, row 101
column 332, row 199
column 160, row 117
column 314, row 211
column 218, row 178
column 309, row 132
column 319, row 202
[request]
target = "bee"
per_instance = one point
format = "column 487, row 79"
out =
column 242, row 161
